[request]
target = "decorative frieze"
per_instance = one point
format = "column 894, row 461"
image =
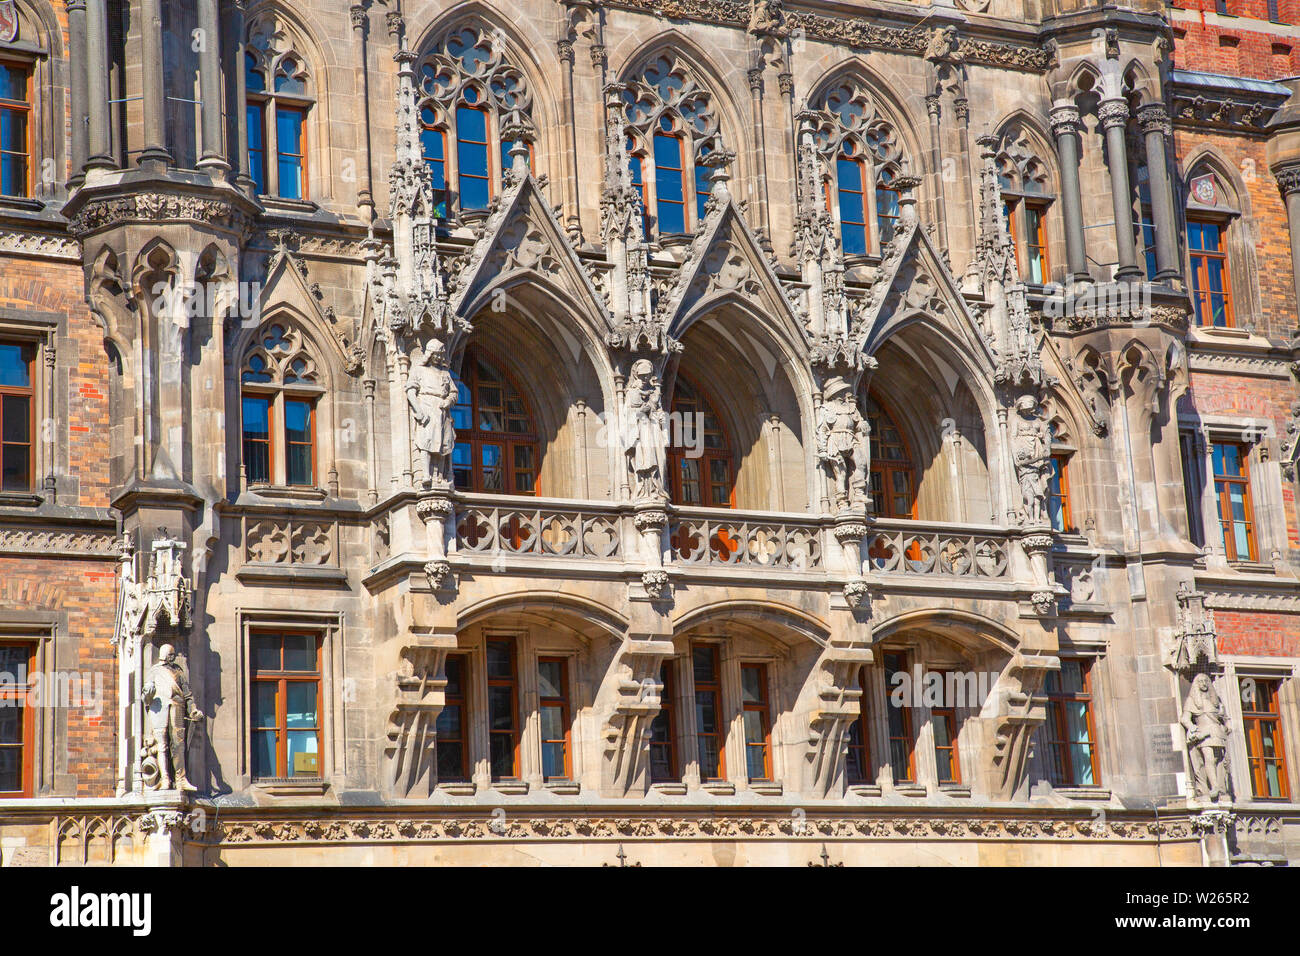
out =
column 59, row 543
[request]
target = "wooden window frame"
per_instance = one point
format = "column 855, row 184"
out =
column 269, row 102
column 486, row 143
column 1198, row 273
column 680, row 170
column 1062, row 462
column 27, row 107
column 668, row 711
column 1223, row 503
column 713, row 686
column 864, row 176
column 29, row 349
column 459, row 701
column 908, row 725
column 948, row 714
column 1253, row 720
column 282, row 678
column 861, row 728
column 885, row 467
column 763, row 708
column 275, row 397
column 302, row 155
column 507, row 440
column 566, row 717
column 311, row 440
column 704, row 406
column 514, row 733
column 27, row 745
column 1058, row 728
column 439, row 129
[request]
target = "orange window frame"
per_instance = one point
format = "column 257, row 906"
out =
column 885, row 467
column 28, row 352
column 10, row 696
column 763, row 708
column 505, row 439
column 1222, row 485
column 699, row 402
column 1062, row 462
column 1255, row 719
column 302, row 153
column 485, row 142
column 668, row 713
column 860, row 193
column 310, row 402
column 511, row 733
column 905, row 736
column 859, row 764
column 679, row 169
column 269, row 441
column 459, row 701
column 1060, row 741
column 948, row 714
column 1200, row 276
column 562, row 702
column 712, row 686
column 282, row 678
column 24, row 107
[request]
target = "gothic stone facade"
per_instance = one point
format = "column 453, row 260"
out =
column 576, row 432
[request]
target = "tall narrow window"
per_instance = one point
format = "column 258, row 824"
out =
column 1071, row 754
column 15, row 130
column 17, row 416
column 285, row 712
column 636, row 166
column 757, row 718
column 893, row 489
column 280, row 390
column 1264, row 751
column 902, row 742
column 453, row 748
column 553, row 706
column 1147, row 220
column 276, row 109
column 17, row 662
column 703, row 185
column 503, row 709
column 1193, row 483
column 1211, row 287
column 850, row 181
column 1037, row 269
column 663, row 729
column 710, row 730
column 700, row 464
column 1058, row 494
column 886, row 206
column 472, row 154
column 1232, row 496
column 496, row 448
column 670, row 190
column 943, row 726
column 859, row 762
column 433, row 149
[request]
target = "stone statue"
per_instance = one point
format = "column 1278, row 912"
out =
column 431, row 393
column 646, row 427
column 843, row 443
column 170, row 707
column 766, row 18
column 1032, row 448
column 1206, row 725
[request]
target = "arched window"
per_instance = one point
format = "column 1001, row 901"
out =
column 467, row 90
column 893, row 478
column 700, row 464
column 279, row 99
column 1023, row 179
column 15, row 128
column 861, row 147
column 1210, row 216
column 496, row 440
column 279, row 389
column 675, row 127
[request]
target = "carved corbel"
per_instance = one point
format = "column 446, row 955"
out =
column 631, row 696
column 836, row 703
column 419, row 689
column 1018, row 709
column 434, row 510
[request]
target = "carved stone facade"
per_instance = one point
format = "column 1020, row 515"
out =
column 748, row 438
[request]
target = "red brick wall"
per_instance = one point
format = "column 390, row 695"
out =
column 1259, row 634
column 1244, row 44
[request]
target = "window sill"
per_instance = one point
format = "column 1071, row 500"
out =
column 910, row 789
column 290, row 787
column 864, row 790
column 292, row 574
column 955, row 790
column 565, row 788
column 297, row 207
column 21, row 204
column 289, row 492
column 766, row 788
column 719, row 788
column 20, row 499
column 669, row 788
column 1223, row 331
column 1101, row 794
column 458, row 788
column 510, row 787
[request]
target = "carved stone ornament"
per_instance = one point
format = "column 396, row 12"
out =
column 170, row 710
column 162, row 599
column 1044, row 603
column 645, row 431
column 1195, row 643
column 1205, row 726
column 439, row 573
column 844, row 444
column 1031, row 447
column 655, row 583
column 431, row 394
column 858, row 593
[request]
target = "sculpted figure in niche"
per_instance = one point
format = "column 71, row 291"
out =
column 431, row 393
column 843, row 443
column 1206, row 725
column 1032, row 447
column 645, row 438
column 170, row 707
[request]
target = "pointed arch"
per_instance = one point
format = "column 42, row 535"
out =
column 772, row 618
column 904, row 118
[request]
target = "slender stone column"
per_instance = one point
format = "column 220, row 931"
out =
column 80, row 90
column 213, row 155
column 237, row 93
column 1157, row 129
column 1114, row 116
column 1288, row 180
column 755, row 77
column 366, row 189
column 154, row 156
column 936, row 164
column 1066, row 127
column 98, row 141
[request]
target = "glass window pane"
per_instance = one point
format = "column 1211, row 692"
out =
column 11, row 724
column 490, row 460
column 264, row 711
column 550, row 678
column 263, row 753
column 709, row 758
column 449, row 723
column 297, row 421
column 703, row 660
column 499, row 660
column 552, row 721
column 706, row 712
column 501, row 755
column 500, row 712
column 266, row 652
column 15, row 367
column 302, row 753
column 300, row 703
column 751, row 685
column 451, row 760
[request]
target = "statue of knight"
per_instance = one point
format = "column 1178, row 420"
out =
column 171, row 709
column 843, row 443
column 431, row 393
